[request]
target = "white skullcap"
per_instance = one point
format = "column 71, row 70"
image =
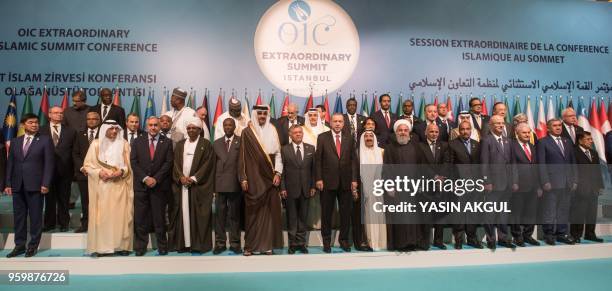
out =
column 193, row 120
column 400, row 122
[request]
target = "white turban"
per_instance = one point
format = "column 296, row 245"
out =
column 400, row 122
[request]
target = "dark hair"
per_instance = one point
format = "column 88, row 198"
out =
column 383, row 96
column 472, row 100
column 582, row 134
column 497, row 103
column 28, row 116
column 369, row 118
column 294, row 126
column 352, row 99
column 408, row 100
column 80, row 93
column 322, row 107
column 105, row 90
column 133, row 114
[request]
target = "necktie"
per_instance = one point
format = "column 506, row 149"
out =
column 467, row 146
column 527, row 152
column 55, row 135
column 227, row 144
column 501, row 144
column 338, row 145
column 410, row 120
column 91, row 135
column 588, row 154
column 479, row 121
column 131, row 137
column 298, row 154
column 152, row 148
column 353, row 127
column 572, row 133
column 560, row 144
column 104, row 112
column 26, row 146
column 433, row 149
column 387, row 120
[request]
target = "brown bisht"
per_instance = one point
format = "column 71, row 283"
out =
column 262, row 201
column 200, row 198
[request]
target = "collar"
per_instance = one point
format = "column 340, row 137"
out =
column 298, row 144
column 156, row 137
column 497, row 137
column 584, row 150
column 31, row 136
column 431, row 142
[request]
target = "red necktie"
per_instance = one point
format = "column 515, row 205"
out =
column 338, row 146
column 152, row 148
column 387, row 119
column 527, row 152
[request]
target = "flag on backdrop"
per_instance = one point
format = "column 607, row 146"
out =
column 64, row 103
column 560, row 106
column 364, row 105
column 205, row 105
column 309, row 104
column 150, row 108
column 285, row 105
column 400, row 106
column 541, row 127
column 529, row 114
column 338, row 105
column 164, row 104
column 272, row 107
column 596, row 131
column 449, row 106
column 117, row 98
column 374, row 103
column 603, row 118
column 422, row 108
column 550, row 114
column 218, row 112
column 9, row 128
column 43, row 111
column 485, row 111
column 27, row 108
column 326, row 105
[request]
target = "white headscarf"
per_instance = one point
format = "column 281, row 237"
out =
column 111, row 151
column 400, row 122
column 372, row 155
column 317, row 129
column 191, row 120
column 267, row 133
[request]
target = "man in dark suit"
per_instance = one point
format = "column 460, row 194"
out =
column 29, row 171
column 107, row 110
column 285, row 122
column 525, row 200
column 152, row 160
column 336, row 175
column 583, row 215
column 228, row 200
column 571, row 129
column 384, row 120
column 464, row 154
column 353, row 122
column 496, row 157
column 58, row 199
column 408, row 110
column 435, row 164
column 556, row 160
column 431, row 117
column 443, row 118
column 499, row 108
column 132, row 128
column 75, row 115
column 297, row 187
column 478, row 119
column 79, row 151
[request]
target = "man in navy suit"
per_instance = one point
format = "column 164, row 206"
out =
column 384, row 120
column 497, row 157
column 558, row 179
column 152, row 161
column 478, row 119
column 28, row 176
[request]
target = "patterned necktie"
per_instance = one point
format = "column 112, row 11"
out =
column 527, row 152
column 560, row 144
column 501, row 144
column 227, row 144
column 91, row 135
column 104, row 112
column 588, row 154
column 353, row 131
column 338, row 145
column 387, row 120
column 298, row 153
column 572, row 133
column 152, row 148
column 26, row 146
column 55, row 135
column 467, row 146
column 131, row 137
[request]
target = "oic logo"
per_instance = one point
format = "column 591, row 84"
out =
column 305, row 45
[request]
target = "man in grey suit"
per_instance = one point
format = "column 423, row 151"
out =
column 229, row 195
column 496, row 157
column 297, row 187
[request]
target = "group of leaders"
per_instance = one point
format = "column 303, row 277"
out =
column 164, row 179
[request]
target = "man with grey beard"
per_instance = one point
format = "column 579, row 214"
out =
column 402, row 236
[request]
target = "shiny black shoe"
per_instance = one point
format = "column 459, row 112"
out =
column 291, row 250
column 519, row 243
column 162, row 252
column 123, row 253
column 303, row 250
column 327, row 249
column 550, row 241
column 439, row 245
column 236, row 250
column 139, row 253
column 532, row 241
column 31, row 252
column 17, row 251
column 506, row 244
column 219, row 249
column 48, row 228
column 594, row 238
column 475, row 244
column 80, row 230
column 566, row 240
column 366, row 249
column 458, row 245
column 491, row 245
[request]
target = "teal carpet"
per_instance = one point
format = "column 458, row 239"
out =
column 569, row 275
